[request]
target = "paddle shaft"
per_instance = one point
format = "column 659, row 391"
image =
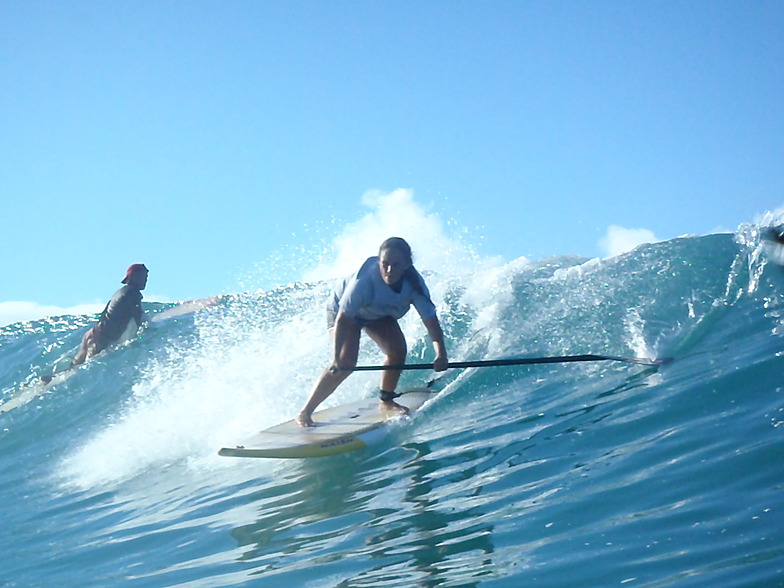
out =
column 512, row 361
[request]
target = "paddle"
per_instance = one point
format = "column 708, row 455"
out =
column 513, row 361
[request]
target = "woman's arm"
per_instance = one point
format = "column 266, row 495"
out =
column 437, row 336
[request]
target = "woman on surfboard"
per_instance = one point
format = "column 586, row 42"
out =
column 373, row 299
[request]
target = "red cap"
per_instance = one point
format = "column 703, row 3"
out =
column 132, row 269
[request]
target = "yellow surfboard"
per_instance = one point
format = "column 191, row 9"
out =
column 340, row 429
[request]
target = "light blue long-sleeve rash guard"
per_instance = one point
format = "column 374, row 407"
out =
column 365, row 297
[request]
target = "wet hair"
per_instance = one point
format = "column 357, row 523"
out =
column 401, row 246
column 398, row 245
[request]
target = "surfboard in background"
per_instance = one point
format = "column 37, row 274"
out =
column 185, row 308
column 35, row 388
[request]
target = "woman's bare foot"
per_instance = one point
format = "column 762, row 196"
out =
column 304, row 420
column 392, row 405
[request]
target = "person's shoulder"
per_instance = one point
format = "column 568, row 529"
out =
column 368, row 267
column 421, row 288
column 419, row 274
column 121, row 292
column 129, row 292
column 416, row 275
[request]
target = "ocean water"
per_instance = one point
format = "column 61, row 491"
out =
column 591, row 474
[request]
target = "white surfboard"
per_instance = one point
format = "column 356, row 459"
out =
column 184, row 308
column 35, row 388
column 340, row 429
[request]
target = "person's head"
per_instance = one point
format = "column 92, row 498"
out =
column 136, row 275
column 394, row 259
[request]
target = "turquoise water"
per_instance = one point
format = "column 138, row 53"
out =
column 594, row 474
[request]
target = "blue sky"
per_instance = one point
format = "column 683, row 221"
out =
column 207, row 138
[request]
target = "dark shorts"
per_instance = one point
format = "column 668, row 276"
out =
column 332, row 317
column 92, row 341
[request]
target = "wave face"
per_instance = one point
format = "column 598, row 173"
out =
column 590, row 474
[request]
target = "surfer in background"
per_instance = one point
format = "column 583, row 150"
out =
column 125, row 306
column 373, row 299
column 774, row 243
column 774, row 234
